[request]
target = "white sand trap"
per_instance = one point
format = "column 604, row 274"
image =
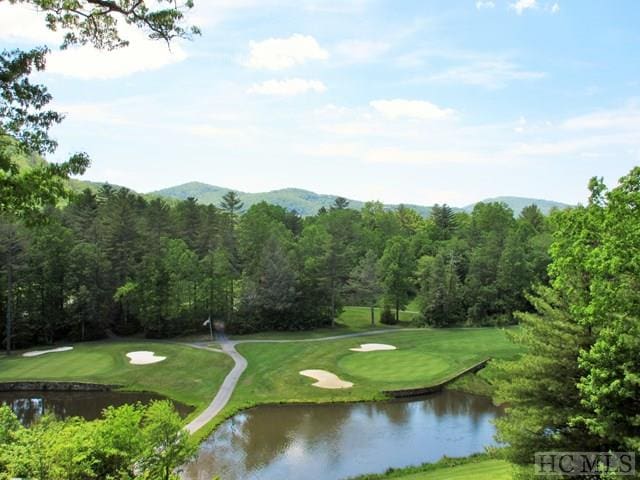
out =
column 326, row 379
column 144, row 358
column 37, row 353
column 372, row 347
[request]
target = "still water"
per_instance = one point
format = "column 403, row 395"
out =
column 28, row 406
column 335, row 441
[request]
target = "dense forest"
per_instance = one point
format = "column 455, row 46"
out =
column 115, row 262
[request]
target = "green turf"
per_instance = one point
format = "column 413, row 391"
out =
column 413, row 365
column 351, row 320
column 188, row 375
column 485, row 470
column 424, row 357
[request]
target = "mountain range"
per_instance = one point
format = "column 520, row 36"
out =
column 306, row 202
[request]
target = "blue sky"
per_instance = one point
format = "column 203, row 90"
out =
column 401, row 101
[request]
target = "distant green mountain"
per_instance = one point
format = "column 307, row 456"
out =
column 302, row 201
column 308, row 203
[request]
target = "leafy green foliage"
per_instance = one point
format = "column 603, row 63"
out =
column 95, row 22
column 128, row 442
column 24, row 120
column 577, row 387
column 396, row 269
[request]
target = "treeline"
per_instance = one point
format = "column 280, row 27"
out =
column 113, row 261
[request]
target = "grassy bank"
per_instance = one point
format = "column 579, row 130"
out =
column 188, row 375
column 424, row 357
column 477, row 467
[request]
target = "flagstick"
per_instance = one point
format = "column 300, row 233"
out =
column 211, row 327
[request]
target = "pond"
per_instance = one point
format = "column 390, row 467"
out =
column 29, row 405
column 335, row 441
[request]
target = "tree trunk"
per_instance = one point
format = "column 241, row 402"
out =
column 333, row 306
column 397, row 310
column 9, row 324
column 373, row 318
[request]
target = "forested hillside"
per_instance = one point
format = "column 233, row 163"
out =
column 115, row 261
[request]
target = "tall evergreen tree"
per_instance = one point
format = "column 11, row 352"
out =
column 12, row 246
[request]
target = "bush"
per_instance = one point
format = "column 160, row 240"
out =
column 387, row 317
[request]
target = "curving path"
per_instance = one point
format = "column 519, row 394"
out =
column 226, row 389
column 231, row 380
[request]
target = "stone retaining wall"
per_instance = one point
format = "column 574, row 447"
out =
column 55, row 387
column 416, row 392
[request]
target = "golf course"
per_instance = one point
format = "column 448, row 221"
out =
column 194, row 369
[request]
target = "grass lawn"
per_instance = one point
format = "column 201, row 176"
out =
column 481, row 466
column 351, row 320
column 423, row 358
column 485, row 470
column 188, row 375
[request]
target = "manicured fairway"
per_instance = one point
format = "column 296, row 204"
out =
column 351, row 320
column 188, row 375
column 424, row 357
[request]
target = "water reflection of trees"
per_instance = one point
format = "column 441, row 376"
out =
column 29, row 406
column 449, row 402
column 271, row 431
column 269, row 440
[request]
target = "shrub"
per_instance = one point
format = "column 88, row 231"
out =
column 387, row 317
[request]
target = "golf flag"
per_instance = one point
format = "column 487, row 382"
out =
column 207, row 322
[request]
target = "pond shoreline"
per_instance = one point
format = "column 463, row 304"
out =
column 413, row 423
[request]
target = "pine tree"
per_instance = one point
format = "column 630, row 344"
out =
column 540, row 388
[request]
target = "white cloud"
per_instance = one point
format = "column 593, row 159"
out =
column 212, row 131
column 288, row 87
column 555, row 8
column 281, row 53
column 522, row 5
column 428, row 157
column 616, row 119
column 103, row 113
column 333, row 150
column 480, row 4
column 398, row 108
column 520, row 125
column 88, row 63
column 486, row 73
column 19, row 23
column 361, row 51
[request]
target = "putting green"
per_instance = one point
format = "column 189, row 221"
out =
column 411, row 366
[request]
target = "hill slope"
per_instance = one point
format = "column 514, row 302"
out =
column 306, row 202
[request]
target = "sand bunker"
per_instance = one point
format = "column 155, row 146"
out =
column 144, row 358
column 326, row 379
column 37, row 353
column 373, row 347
